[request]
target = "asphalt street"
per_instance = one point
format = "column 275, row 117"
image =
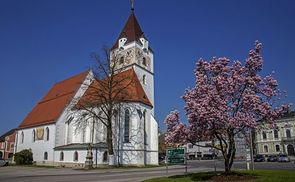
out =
column 34, row 174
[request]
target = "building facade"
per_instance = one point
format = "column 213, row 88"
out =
column 50, row 129
column 270, row 141
column 7, row 145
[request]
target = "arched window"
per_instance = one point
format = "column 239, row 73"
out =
column 276, row 134
column 76, row 156
column 105, row 157
column 126, row 126
column 265, row 148
column 61, row 156
column 144, row 79
column 288, row 133
column 144, row 61
column 47, row 133
column 33, row 135
column 264, row 135
column 83, row 135
column 45, row 156
column 22, row 137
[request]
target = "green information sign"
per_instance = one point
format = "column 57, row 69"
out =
column 176, row 156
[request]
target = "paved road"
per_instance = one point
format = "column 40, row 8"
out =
column 34, row 174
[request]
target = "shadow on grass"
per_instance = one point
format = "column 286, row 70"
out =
column 216, row 176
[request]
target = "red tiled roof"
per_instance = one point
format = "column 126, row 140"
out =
column 131, row 31
column 52, row 105
column 132, row 90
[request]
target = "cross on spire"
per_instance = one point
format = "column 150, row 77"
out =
column 132, row 5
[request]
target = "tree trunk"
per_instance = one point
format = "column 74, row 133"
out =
column 230, row 154
column 110, row 145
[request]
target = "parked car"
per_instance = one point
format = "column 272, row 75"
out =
column 208, row 157
column 272, row 158
column 259, row 158
column 283, row 158
column 3, row 162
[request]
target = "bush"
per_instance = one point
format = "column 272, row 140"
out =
column 23, row 157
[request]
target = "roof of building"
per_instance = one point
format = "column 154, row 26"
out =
column 77, row 146
column 10, row 132
column 49, row 109
column 290, row 114
column 131, row 31
column 127, row 89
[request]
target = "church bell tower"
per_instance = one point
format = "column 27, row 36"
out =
column 132, row 50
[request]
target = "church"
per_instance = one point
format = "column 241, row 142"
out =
column 50, row 132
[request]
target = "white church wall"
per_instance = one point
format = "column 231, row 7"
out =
column 69, row 158
column 63, row 131
column 38, row 147
column 148, row 87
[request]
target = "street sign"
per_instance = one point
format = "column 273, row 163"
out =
column 176, row 156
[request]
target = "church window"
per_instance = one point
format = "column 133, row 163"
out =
column 121, row 60
column 144, row 79
column 264, row 135
column 45, row 156
column 105, row 157
column 47, row 133
column 126, row 126
column 83, row 135
column 22, row 137
column 288, row 133
column 276, row 134
column 61, row 156
column 34, row 136
column 145, row 134
column 76, row 156
column 144, row 61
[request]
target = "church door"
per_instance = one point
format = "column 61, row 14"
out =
column 290, row 150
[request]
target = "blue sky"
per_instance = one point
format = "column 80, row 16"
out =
column 45, row 41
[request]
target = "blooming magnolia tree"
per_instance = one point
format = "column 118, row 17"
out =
column 227, row 99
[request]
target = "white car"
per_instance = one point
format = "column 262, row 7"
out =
column 283, row 158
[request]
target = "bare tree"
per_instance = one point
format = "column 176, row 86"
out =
column 104, row 94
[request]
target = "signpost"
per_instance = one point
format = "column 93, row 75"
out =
column 176, row 156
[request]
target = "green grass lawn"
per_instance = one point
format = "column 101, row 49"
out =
column 257, row 176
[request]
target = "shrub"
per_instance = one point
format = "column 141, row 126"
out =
column 23, row 157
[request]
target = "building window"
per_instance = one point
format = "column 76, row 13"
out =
column 33, row 136
column 22, row 137
column 12, row 147
column 264, row 135
column 277, row 148
column 105, row 157
column 121, row 60
column 47, row 134
column 190, row 146
column 276, row 134
column 144, row 61
column 288, row 133
column 144, row 79
column 126, row 126
column 265, row 148
column 61, row 156
column 76, row 156
column 45, row 156
column 83, row 135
